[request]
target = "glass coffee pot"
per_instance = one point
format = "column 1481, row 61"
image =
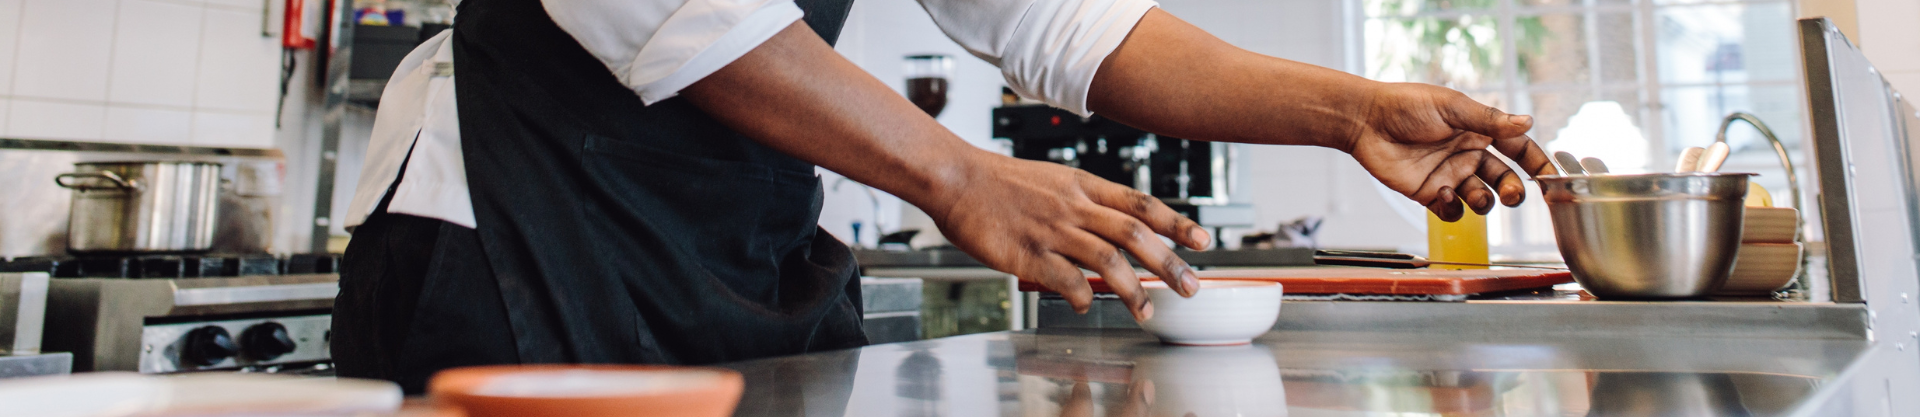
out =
column 927, row 81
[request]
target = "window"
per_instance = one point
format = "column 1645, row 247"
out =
column 1630, row 81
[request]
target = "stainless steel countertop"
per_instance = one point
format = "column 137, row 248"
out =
column 1084, row 372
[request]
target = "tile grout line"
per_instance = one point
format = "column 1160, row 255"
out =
column 18, row 36
column 212, row 5
column 136, row 105
column 113, row 47
column 199, row 61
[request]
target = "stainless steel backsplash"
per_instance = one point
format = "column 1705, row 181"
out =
column 33, row 210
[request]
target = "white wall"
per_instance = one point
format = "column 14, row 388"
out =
column 1282, row 182
column 1888, row 31
column 175, row 72
column 1890, row 36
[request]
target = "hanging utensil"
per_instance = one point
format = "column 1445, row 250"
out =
column 1689, row 159
column 1569, row 165
column 1594, row 166
column 1396, row 260
column 1715, row 155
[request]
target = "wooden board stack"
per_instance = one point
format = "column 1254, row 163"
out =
column 1769, row 257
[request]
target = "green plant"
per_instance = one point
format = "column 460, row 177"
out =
column 1454, row 51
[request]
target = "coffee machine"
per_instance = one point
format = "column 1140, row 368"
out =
column 1193, row 177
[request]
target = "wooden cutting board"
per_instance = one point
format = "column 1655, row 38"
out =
column 1347, row 280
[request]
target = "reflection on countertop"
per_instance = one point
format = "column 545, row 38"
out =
column 1101, row 372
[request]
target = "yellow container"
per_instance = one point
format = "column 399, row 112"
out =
column 1464, row 241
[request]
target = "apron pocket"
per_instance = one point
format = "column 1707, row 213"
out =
column 738, row 220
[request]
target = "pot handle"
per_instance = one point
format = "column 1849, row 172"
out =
column 108, row 175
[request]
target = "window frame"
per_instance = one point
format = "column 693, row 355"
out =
column 1510, row 230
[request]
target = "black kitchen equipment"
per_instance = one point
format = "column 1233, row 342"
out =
column 377, row 50
column 1193, row 177
column 171, row 266
column 901, row 240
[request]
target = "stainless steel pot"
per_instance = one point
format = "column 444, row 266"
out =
column 1648, row 236
column 142, row 206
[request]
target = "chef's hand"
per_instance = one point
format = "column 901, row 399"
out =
column 1430, row 144
column 1079, row 401
column 1427, row 142
column 1036, row 220
column 1042, row 222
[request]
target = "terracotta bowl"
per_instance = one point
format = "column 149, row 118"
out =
column 589, row 390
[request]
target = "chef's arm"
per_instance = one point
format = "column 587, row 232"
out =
column 1427, row 142
column 1039, row 221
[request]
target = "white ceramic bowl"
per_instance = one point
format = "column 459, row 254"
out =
column 1224, row 312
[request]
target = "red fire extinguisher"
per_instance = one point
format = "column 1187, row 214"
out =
column 301, row 27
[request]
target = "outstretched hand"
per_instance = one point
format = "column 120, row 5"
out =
column 1430, row 144
column 1427, row 142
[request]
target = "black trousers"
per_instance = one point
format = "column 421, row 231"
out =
column 416, row 296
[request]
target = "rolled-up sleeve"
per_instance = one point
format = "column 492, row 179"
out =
column 659, row 47
column 1047, row 49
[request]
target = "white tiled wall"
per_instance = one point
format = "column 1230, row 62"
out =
column 65, row 49
column 238, row 4
column 35, row 118
column 177, row 72
column 161, row 125
column 9, row 43
column 153, row 50
column 229, row 129
column 231, row 63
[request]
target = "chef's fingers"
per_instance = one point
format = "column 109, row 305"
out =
column 1448, row 176
column 1137, row 239
column 1476, row 195
column 1475, row 191
column 1139, row 399
column 1465, row 113
column 1102, row 258
column 1504, row 181
column 1447, row 207
column 1148, row 209
column 1056, row 273
column 1079, row 402
column 1527, row 153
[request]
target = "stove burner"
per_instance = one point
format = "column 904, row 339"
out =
column 174, row 266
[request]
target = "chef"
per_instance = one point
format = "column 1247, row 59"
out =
column 632, row 181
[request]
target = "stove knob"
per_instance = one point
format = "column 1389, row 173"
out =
column 206, row 346
column 266, row 341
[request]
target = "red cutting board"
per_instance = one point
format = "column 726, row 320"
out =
column 1348, row 280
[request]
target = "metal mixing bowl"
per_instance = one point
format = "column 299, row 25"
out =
column 1648, row 236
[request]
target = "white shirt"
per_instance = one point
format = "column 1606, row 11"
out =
column 1047, row 49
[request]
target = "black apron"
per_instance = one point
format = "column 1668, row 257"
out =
column 610, row 231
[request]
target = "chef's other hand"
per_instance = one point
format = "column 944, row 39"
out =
column 1042, row 222
column 1079, row 401
column 1430, row 144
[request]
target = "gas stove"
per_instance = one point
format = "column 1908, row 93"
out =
column 189, row 312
